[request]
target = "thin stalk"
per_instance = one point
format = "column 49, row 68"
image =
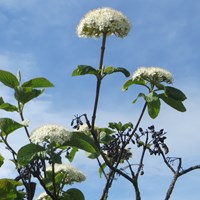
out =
column 22, row 118
column 98, row 86
column 108, row 185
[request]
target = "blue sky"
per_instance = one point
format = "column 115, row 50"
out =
column 39, row 38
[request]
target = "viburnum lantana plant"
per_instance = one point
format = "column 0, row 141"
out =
column 45, row 159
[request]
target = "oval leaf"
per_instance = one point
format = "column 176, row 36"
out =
column 83, row 70
column 153, row 108
column 174, row 93
column 110, row 70
column 39, row 82
column 8, row 79
column 178, row 105
column 132, row 82
column 75, row 194
column 8, row 125
column 25, row 94
column 82, row 141
column 28, row 153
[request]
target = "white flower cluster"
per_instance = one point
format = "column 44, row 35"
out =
column 153, row 74
column 104, row 21
column 50, row 133
column 70, row 173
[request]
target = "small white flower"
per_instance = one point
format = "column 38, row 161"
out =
column 50, row 133
column 103, row 21
column 70, row 173
column 153, row 74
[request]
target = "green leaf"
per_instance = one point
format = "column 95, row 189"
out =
column 83, row 70
column 153, row 108
column 1, row 160
column 133, row 82
column 111, row 70
column 8, row 189
column 24, row 95
column 56, row 158
column 72, row 154
column 7, row 106
column 105, row 138
column 8, row 125
column 39, row 82
column 8, row 79
column 114, row 125
column 28, row 153
column 178, row 105
column 74, row 194
column 174, row 93
column 82, row 141
column 103, row 166
column 139, row 96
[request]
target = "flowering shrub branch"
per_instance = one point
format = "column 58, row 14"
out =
column 112, row 146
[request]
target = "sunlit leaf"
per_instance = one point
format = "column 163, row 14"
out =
column 25, row 94
column 111, row 70
column 8, row 79
column 73, row 194
column 178, row 105
column 8, row 107
column 28, row 153
column 39, row 82
column 132, row 82
column 8, row 189
column 153, row 108
column 105, row 138
column 139, row 96
column 1, row 160
column 8, row 125
column 82, row 141
column 83, row 70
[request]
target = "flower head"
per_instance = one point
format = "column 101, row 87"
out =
column 153, row 74
column 70, row 173
column 50, row 133
column 103, row 21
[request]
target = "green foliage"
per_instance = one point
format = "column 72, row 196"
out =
column 178, row 105
column 39, row 82
column 7, row 106
column 85, row 69
column 153, row 108
column 1, row 160
column 72, row 154
column 174, row 93
column 8, row 125
column 171, row 96
column 25, row 94
column 111, row 70
column 139, row 96
column 29, row 152
column 120, row 127
column 8, row 189
column 82, row 141
column 133, row 82
column 101, row 169
column 73, row 194
column 8, row 79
